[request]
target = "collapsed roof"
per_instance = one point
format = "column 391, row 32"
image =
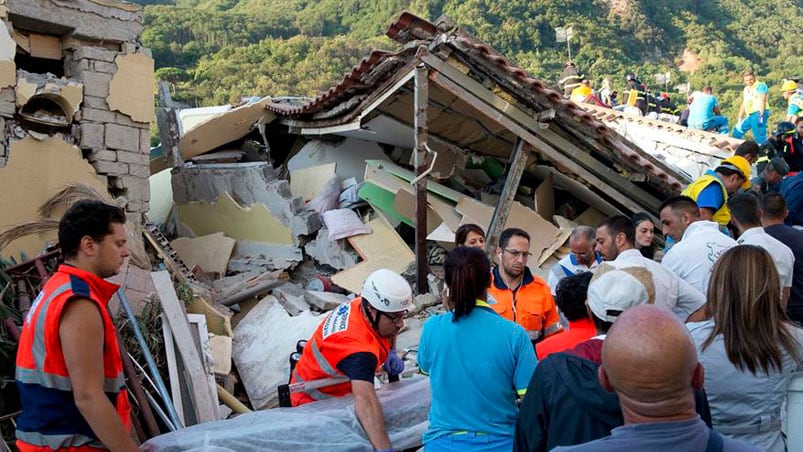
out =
column 480, row 103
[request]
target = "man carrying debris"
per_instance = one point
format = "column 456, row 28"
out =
column 69, row 370
column 353, row 341
column 518, row 295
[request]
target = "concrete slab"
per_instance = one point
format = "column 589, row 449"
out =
column 329, row 252
column 249, row 256
column 324, row 301
column 291, row 297
column 263, row 341
column 350, row 155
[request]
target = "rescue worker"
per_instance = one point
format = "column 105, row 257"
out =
column 753, row 111
column 518, row 295
column 711, row 190
column 354, row 341
column 794, row 110
column 637, row 92
column 570, row 78
column 69, row 369
column 786, row 142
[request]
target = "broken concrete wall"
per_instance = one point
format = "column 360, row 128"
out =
column 248, row 183
column 101, row 96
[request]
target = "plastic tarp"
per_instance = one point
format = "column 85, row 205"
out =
column 326, row 425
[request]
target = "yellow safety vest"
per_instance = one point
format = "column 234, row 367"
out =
column 797, row 100
column 721, row 216
column 751, row 98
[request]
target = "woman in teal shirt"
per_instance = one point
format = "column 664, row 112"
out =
column 478, row 362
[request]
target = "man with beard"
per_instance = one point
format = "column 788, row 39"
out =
column 616, row 238
column 518, row 295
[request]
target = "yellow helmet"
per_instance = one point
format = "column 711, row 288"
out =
column 788, row 85
column 740, row 164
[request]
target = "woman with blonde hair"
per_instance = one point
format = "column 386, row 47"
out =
column 749, row 348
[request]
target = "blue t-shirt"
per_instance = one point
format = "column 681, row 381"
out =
column 711, row 197
column 476, row 366
column 701, row 110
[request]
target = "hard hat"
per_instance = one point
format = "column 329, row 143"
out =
column 788, row 85
column 739, row 164
column 783, row 128
column 387, row 291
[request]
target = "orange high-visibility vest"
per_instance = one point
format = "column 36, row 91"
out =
column 532, row 305
column 343, row 332
column 50, row 420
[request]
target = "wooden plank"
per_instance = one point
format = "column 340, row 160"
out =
column 542, row 233
column 381, row 178
column 172, row 371
column 404, row 204
column 308, row 182
column 381, row 249
column 521, row 124
column 198, row 321
column 204, row 400
column 499, row 218
column 407, row 175
column 545, row 198
column 421, row 100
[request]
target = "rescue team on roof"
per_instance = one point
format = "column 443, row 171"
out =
column 605, row 364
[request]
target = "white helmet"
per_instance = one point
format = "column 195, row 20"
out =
column 387, row 291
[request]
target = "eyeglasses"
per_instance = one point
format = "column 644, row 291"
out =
column 396, row 317
column 516, row 253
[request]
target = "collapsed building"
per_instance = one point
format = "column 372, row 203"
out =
column 279, row 208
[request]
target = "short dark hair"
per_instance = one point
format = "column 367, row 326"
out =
column 681, row 204
column 748, row 147
column 773, row 205
column 744, row 208
column 620, row 223
column 570, row 296
column 798, row 120
column 600, row 325
column 87, row 218
column 510, row 232
column 462, row 233
column 468, row 276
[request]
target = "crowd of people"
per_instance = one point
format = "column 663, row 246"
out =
column 702, row 109
column 686, row 343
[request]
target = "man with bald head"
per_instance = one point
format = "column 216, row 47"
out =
column 649, row 360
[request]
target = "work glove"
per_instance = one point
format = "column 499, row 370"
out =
column 394, row 365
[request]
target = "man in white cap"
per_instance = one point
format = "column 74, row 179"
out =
column 565, row 403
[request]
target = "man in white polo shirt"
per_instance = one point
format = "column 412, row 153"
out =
column 616, row 239
column 582, row 257
column 699, row 243
column 746, row 218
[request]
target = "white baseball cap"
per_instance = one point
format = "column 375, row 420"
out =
column 613, row 290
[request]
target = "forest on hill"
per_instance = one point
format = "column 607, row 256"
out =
column 216, row 51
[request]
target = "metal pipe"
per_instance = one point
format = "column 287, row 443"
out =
column 252, row 292
column 160, row 384
column 231, row 401
column 12, row 329
column 137, row 391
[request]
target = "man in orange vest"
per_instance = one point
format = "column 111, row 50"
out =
column 69, row 370
column 353, row 341
column 518, row 295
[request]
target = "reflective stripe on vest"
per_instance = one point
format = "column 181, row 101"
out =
column 56, row 442
column 751, row 98
column 314, row 393
column 722, row 215
column 53, row 381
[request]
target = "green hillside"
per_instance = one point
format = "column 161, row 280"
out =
column 214, row 51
